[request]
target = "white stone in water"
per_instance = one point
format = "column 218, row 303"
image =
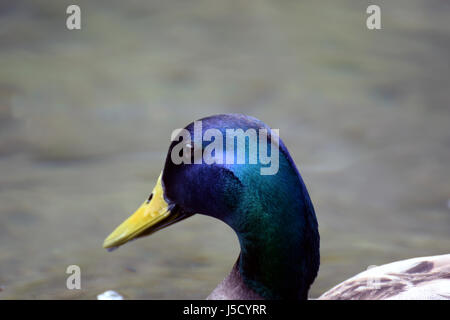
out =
column 109, row 295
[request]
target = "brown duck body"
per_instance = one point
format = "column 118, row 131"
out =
column 425, row 278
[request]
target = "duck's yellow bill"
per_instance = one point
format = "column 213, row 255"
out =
column 144, row 221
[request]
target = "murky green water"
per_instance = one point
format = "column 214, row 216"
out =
column 86, row 117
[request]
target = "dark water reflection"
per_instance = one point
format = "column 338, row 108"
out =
column 86, row 116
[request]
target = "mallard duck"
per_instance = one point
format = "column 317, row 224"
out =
column 272, row 216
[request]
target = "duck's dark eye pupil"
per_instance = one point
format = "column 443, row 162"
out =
column 150, row 197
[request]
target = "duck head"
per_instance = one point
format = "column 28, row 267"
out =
column 271, row 214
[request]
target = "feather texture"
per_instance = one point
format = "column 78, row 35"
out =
column 425, row 278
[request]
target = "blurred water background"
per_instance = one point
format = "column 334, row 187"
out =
column 86, row 118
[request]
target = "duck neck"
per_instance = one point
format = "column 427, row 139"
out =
column 279, row 242
column 277, row 265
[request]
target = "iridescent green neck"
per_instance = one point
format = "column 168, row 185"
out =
column 277, row 230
